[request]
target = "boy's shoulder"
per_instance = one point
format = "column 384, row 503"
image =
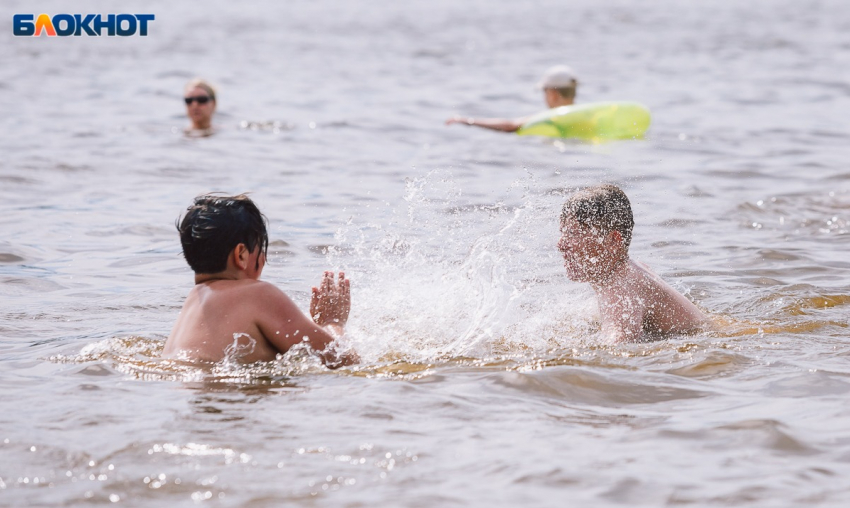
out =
column 262, row 294
column 243, row 288
column 250, row 297
column 262, row 289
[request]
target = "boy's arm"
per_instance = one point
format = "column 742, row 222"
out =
column 284, row 325
column 330, row 304
column 496, row 124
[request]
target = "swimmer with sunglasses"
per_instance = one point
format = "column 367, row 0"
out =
column 200, row 106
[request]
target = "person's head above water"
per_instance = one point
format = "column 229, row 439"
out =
column 596, row 230
column 219, row 231
column 199, row 97
column 602, row 207
column 559, row 88
column 634, row 303
column 559, row 85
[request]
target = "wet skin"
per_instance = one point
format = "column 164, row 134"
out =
column 234, row 305
column 634, row 303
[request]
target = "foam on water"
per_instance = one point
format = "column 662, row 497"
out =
column 139, row 358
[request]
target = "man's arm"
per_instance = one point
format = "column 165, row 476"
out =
column 622, row 317
column 496, row 124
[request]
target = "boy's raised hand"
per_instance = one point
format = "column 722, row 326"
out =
column 331, row 301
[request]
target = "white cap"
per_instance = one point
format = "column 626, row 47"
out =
column 559, row 76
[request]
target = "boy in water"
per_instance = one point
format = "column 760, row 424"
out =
column 634, row 303
column 225, row 242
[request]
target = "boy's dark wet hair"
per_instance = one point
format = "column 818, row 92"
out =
column 214, row 225
column 604, row 207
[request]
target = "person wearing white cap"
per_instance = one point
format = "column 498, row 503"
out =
column 559, row 88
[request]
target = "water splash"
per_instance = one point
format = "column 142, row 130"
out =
column 234, row 352
column 139, row 358
column 450, row 276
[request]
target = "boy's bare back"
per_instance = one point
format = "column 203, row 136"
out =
column 252, row 315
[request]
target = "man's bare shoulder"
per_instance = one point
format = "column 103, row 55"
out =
column 648, row 278
column 671, row 311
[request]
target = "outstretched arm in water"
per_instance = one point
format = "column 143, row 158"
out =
column 496, row 124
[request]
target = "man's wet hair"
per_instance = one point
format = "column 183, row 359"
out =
column 214, row 225
column 603, row 207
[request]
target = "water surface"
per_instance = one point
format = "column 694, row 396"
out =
column 483, row 381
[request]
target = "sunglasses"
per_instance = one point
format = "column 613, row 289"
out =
column 203, row 99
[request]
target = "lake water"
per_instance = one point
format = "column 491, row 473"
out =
column 483, row 380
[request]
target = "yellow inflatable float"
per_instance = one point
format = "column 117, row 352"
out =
column 596, row 122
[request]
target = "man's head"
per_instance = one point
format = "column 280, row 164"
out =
column 199, row 97
column 216, row 225
column 559, row 85
column 596, row 230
